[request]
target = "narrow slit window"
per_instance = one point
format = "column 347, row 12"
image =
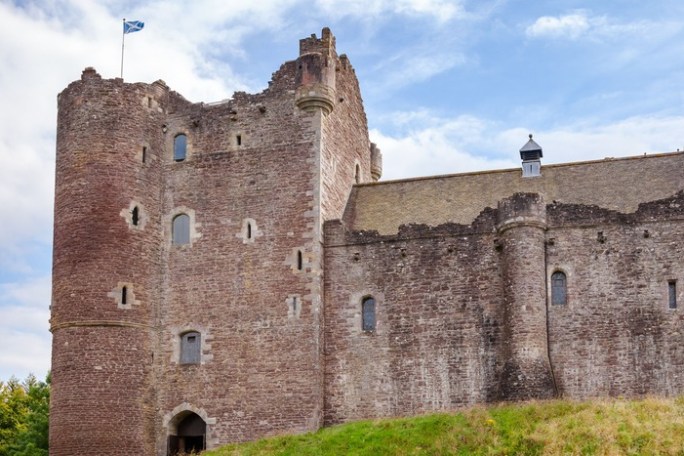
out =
column 135, row 216
column 144, row 154
column 181, row 229
column 300, row 260
column 191, row 348
column 357, row 174
column 672, row 294
column 180, row 147
column 249, row 230
column 124, row 295
column 368, row 314
column 559, row 288
column 238, row 139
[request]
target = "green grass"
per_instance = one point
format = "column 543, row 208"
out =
column 615, row 427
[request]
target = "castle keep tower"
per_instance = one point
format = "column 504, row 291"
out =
column 106, row 261
column 187, row 302
column 198, row 299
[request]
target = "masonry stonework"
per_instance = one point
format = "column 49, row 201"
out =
column 290, row 230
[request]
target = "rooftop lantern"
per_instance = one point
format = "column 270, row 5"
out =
column 531, row 154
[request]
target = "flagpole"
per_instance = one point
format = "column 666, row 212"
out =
column 123, row 37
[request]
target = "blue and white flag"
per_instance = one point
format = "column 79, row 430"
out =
column 133, row 26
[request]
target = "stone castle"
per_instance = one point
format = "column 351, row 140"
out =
column 233, row 270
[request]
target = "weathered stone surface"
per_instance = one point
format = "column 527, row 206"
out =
column 283, row 248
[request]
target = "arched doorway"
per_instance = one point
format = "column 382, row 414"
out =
column 190, row 434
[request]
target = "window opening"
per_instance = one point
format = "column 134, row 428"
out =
column 249, row 230
column 181, row 229
column 368, row 314
column 144, row 154
column 357, row 174
column 180, row 147
column 672, row 294
column 124, row 295
column 191, row 348
column 300, row 260
column 135, row 216
column 239, row 140
column 559, row 288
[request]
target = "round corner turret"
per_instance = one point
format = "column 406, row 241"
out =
column 315, row 77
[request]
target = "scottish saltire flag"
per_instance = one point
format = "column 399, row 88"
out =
column 133, row 26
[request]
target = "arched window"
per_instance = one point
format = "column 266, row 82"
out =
column 559, row 288
column 368, row 314
column 181, row 229
column 180, row 147
column 191, row 348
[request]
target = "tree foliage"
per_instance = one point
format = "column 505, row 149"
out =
column 24, row 408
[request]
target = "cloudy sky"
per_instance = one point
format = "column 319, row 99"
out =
column 449, row 86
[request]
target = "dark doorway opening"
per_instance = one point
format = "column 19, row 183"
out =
column 190, row 435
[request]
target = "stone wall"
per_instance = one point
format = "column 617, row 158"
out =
column 463, row 310
column 616, row 335
column 439, row 320
column 243, row 291
column 284, row 247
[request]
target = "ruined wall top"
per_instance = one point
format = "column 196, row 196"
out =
column 324, row 45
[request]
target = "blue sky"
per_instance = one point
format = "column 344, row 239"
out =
column 449, row 86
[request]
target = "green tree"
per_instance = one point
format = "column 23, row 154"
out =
column 24, row 408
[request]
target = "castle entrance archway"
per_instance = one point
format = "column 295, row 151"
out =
column 190, row 434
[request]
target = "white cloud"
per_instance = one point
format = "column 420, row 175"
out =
column 408, row 68
column 440, row 10
column 429, row 145
column 568, row 26
column 581, row 24
column 24, row 316
column 633, row 136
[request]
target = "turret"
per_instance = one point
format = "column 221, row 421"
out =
column 105, row 269
column 315, row 77
column 521, row 228
column 531, row 154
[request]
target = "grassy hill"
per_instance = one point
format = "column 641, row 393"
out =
column 615, row 427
